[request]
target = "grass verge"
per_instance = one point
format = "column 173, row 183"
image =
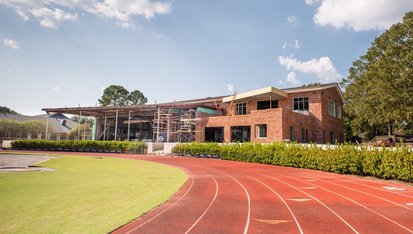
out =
column 84, row 195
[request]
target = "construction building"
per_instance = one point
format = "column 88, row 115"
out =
column 302, row 114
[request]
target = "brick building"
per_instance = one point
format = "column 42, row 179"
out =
column 302, row 114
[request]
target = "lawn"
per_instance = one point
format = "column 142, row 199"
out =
column 84, row 195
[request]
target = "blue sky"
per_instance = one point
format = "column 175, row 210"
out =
column 65, row 52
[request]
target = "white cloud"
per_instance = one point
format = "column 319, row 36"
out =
column 11, row 43
column 280, row 82
column 361, row 15
column 311, row 2
column 56, row 88
column 10, row 70
column 50, row 13
column 292, row 78
column 295, row 45
column 292, row 19
column 231, row 88
column 322, row 68
column 50, row 18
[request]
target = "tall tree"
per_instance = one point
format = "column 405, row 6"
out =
column 6, row 110
column 116, row 95
column 136, row 97
column 379, row 89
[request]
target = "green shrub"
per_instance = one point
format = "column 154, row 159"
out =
column 81, row 146
column 394, row 163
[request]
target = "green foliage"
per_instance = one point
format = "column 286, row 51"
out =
column 82, row 146
column 14, row 126
column 117, row 95
column 378, row 91
column 6, row 110
column 393, row 163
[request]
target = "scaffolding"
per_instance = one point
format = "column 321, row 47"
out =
column 187, row 127
column 165, row 125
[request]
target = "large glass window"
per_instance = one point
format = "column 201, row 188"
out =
column 261, row 130
column 39, row 135
column 301, row 103
column 332, row 108
column 263, row 105
column 339, row 111
column 241, row 108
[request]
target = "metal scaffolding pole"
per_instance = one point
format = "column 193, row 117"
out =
column 128, row 125
column 116, row 125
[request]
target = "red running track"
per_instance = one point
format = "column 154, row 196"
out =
column 235, row 197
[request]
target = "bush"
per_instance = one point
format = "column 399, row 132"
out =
column 81, row 146
column 385, row 163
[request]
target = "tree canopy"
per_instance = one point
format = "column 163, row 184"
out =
column 117, row 95
column 379, row 88
column 6, row 110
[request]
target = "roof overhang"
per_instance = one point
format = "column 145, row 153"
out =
column 258, row 93
column 317, row 88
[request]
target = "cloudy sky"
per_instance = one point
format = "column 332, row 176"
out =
column 57, row 53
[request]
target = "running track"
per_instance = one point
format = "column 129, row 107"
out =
column 235, row 197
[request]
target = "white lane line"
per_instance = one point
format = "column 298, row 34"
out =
column 328, row 208
column 393, row 188
column 352, row 181
column 249, row 203
column 149, row 220
column 375, row 212
column 283, row 201
column 209, row 206
column 368, row 194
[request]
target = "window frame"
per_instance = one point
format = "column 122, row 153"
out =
column 301, row 103
column 272, row 104
column 260, row 131
column 241, row 106
column 331, row 108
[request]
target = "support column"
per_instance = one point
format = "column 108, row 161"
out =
column 47, row 125
column 158, row 127
column 128, row 125
column 78, row 122
column 116, row 125
column 104, row 129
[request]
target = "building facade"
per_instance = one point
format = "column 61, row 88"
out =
column 302, row 114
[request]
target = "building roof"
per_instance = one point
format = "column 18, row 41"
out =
column 150, row 109
column 264, row 92
column 55, row 121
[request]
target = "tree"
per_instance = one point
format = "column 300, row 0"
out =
column 379, row 88
column 116, row 95
column 6, row 110
column 136, row 97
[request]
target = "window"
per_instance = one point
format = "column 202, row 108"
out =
column 49, row 136
column 291, row 134
column 39, row 135
column 324, row 137
column 332, row 138
column 58, row 136
column 29, row 135
column 302, row 135
column 241, row 108
column 332, row 108
column 263, row 105
column 339, row 111
column 301, row 103
column 240, row 133
column 261, row 131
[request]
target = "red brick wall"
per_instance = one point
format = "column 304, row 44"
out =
column 280, row 120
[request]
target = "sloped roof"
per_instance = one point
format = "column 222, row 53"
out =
column 55, row 121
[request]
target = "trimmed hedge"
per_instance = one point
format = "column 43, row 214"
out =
column 80, row 146
column 394, row 163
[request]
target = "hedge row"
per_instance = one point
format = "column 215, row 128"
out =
column 81, row 146
column 394, row 163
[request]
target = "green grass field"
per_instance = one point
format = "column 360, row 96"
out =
column 85, row 195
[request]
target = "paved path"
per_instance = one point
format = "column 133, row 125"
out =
column 19, row 163
column 235, row 197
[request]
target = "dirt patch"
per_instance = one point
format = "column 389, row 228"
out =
column 21, row 163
